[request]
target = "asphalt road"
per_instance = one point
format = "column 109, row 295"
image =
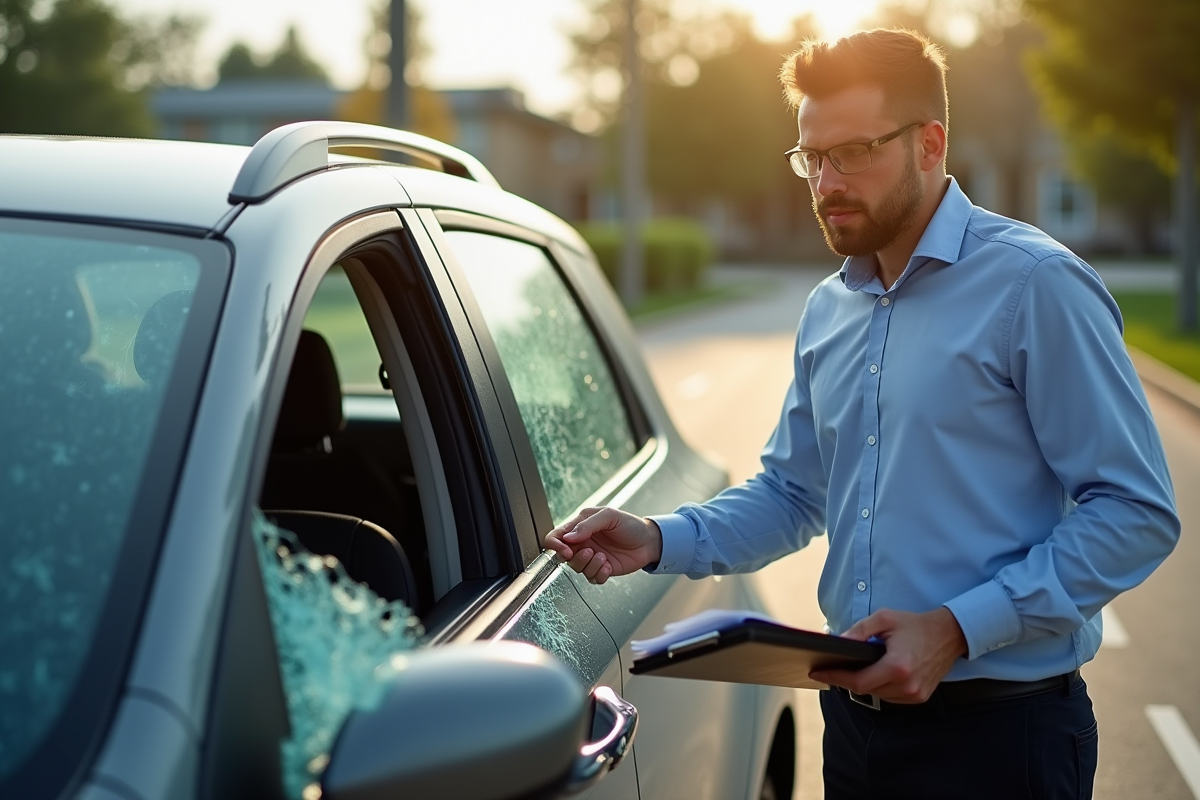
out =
column 723, row 371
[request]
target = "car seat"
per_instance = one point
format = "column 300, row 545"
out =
column 326, row 494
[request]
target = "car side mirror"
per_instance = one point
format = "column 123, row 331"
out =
column 479, row 722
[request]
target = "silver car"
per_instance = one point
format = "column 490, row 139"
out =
column 281, row 431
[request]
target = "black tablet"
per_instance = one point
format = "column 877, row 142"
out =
column 761, row 652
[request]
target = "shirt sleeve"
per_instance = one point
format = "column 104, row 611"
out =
column 775, row 513
column 1093, row 424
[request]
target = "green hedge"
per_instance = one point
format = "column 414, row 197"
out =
column 676, row 253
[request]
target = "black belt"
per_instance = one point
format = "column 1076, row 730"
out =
column 978, row 690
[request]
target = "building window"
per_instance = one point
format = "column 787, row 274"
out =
column 1066, row 208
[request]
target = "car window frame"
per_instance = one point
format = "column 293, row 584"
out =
column 382, row 249
column 86, row 715
column 443, row 220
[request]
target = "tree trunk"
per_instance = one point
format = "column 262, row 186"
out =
column 1185, row 212
column 633, row 167
column 396, row 110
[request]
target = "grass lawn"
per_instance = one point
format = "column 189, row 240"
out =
column 661, row 304
column 1150, row 325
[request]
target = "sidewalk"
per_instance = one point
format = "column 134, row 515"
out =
column 1166, row 379
column 1119, row 275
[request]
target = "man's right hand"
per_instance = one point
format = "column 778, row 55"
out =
column 602, row 542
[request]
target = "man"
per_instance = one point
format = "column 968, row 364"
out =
column 965, row 423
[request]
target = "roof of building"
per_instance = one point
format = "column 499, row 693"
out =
column 257, row 98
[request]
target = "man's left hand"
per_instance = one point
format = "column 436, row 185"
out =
column 921, row 648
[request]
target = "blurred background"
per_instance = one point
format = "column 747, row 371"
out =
column 656, row 126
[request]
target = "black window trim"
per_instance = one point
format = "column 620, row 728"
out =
column 500, row 464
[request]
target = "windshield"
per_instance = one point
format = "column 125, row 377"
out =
column 91, row 326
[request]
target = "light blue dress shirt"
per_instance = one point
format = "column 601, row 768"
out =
column 974, row 437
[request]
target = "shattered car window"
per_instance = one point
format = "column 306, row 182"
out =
column 336, row 640
column 569, row 401
column 89, row 329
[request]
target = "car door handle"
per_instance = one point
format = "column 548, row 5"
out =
column 597, row 757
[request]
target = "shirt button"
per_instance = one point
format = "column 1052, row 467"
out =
column 866, row 512
column 871, row 440
column 862, row 586
column 874, row 368
column 885, row 302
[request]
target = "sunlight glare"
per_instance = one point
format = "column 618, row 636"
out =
column 835, row 18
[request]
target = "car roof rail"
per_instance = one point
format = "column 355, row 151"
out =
column 300, row 148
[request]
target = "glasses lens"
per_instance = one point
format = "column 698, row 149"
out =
column 851, row 158
column 806, row 165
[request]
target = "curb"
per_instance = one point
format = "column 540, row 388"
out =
column 1166, row 379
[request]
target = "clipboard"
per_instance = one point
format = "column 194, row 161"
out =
column 756, row 651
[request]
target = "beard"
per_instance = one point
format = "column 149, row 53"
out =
column 879, row 226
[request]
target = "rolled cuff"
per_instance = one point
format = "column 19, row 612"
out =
column 678, row 544
column 988, row 618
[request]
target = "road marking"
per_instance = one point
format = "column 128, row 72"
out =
column 695, row 386
column 1180, row 742
column 1115, row 635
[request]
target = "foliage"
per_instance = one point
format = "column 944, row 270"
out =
column 676, row 252
column 1115, row 67
column 715, row 119
column 77, row 67
column 431, row 114
column 723, row 134
column 1123, row 177
column 673, row 37
column 290, row 61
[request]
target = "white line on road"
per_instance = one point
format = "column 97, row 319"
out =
column 695, row 386
column 1180, row 742
column 1115, row 634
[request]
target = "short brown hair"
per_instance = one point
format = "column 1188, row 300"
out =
column 909, row 68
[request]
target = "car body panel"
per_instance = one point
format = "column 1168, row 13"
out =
column 149, row 172
column 430, row 189
column 282, row 246
column 150, row 733
column 677, row 733
column 175, row 655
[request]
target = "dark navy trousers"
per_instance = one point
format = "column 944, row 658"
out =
column 1041, row 747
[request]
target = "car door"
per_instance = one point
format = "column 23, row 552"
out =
column 411, row 377
column 539, row 604
column 587, row 441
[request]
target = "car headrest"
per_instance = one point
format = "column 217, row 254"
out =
column 44, row 319
column 312, row 403
column 158, row 336
column 368, row 553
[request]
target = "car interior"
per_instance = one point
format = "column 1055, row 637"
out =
column 346, row 487
column 340, row 473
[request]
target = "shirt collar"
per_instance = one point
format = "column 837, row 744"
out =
column 942, row 240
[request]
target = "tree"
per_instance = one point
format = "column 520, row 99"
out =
column 674, row 38
column 56, row 74
column 1123, row 177
column 1129, row 70
column 77, row 67
column 716, row 122
column 290, row 62
column 431, row 114
column 722, row 134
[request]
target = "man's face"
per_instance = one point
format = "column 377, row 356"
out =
column 864, row 212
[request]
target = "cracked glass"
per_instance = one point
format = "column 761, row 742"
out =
column 89, row 333
column 337, row 642
column 569, row 402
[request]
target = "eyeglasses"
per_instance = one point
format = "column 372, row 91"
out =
column 846, row 158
